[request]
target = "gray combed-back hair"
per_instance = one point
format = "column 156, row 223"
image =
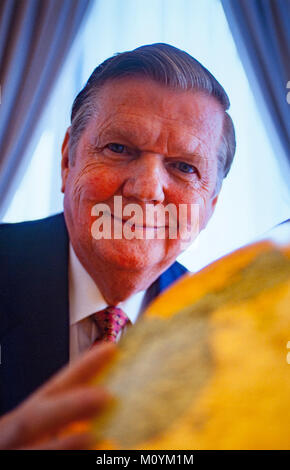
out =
column 168, row 66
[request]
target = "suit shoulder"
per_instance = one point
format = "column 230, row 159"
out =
column 33, row 260
column 7, row 229
column 13, row 235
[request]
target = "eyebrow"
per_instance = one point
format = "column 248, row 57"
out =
column 131, row 136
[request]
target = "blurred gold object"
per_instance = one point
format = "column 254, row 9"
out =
column 206, row 365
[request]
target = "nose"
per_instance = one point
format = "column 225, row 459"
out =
column 147, row 180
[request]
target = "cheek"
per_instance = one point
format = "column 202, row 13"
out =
column 91, row 187
column 196, row 204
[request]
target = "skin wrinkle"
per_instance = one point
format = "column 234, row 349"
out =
column 208, row 164
column 132, row 97
column 129, row 130
column 206, row 161
column 91, row 166
column 112, row 125
column 227, row 141
column 123, row 267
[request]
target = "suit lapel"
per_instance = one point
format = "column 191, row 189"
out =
column 36, row 331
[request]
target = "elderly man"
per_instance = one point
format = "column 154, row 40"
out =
column 149, row 129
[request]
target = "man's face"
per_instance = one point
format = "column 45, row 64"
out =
column 150, row 145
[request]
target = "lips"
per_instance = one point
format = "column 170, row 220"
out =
column 146, row 226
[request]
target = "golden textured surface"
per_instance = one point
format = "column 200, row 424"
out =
column 205, row 367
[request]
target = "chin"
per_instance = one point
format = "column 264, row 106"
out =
column 130, row 254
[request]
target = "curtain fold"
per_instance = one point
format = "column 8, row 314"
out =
column 261, row 29
column 35, row 37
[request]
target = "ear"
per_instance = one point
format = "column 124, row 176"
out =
column 211, row 209
column 213, row 203
column 65, row 164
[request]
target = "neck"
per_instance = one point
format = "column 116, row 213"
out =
column 118, row 284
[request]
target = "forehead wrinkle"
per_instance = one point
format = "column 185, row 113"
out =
column 153, row 115
column 195, row 144
column 144, row 132
column 137, row 133
column 129, row 133
column 144, row 115
column 117, row 101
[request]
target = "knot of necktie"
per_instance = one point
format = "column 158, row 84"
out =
column 110, row 322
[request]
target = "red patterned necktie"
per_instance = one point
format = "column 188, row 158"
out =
column 110, row 322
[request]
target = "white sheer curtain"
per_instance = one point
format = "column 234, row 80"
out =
column 254, row 196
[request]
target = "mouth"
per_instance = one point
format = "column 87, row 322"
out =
column 143, row 226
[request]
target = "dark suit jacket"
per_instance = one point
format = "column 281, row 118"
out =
column 34, row 310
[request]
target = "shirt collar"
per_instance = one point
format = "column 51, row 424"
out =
column 85, row 297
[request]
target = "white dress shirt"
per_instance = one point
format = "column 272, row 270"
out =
column 85, row 299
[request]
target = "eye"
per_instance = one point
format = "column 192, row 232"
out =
column 185, row 167
column 116, row 148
